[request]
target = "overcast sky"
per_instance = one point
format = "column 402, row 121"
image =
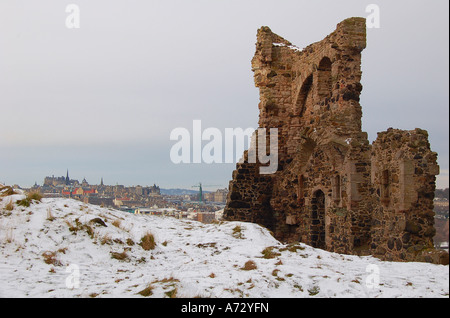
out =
column 101, row 100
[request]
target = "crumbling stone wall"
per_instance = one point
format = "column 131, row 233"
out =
column 333, row 189
column 403, row 175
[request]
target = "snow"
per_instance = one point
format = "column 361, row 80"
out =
column 292, row 47
column 190, row 259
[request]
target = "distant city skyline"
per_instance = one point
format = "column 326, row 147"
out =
column 80, row 180
column 102, row 99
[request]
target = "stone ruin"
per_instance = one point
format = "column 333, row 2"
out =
column 333, row 189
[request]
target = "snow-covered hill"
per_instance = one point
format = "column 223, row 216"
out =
column 65, row 248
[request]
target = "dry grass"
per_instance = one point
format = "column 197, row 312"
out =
column 269, row 253
column 79, row 226
column 9, row 206
column 116, row 223
column 34, row 195
column 6, row 191
column 293, row 247
column 62, row 250
column 249, row 265
column 120, row 256
column 148, row 242
column 172, row 293
column 51, row 259
column 31, row 197
column 106, row 239
column 313, row 290
column 70, row 225
column 171, row 279
column 169, row 282
column 148, row 291
column 237, row 232
column 98, row 221
column 24, row 202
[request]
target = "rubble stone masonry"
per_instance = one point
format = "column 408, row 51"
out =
column 333, row 189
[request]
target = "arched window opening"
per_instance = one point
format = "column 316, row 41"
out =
column 305, row 92
column 324, row 78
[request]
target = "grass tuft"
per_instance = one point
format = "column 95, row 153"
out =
column 313, row 291
column 6, row 191
column 120, row 256
column 147, row 291
column 249, row 265
column 31, row 197
column 148, row 242
column 172, row 293
column 237, row 232
column 268, row 253
column 51, row 259
column 34, row 195
column 9, row 206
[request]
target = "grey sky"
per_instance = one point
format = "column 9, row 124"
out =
column 101, row 100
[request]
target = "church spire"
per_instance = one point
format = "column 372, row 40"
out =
column 67, row 177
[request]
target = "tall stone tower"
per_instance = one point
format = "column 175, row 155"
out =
column 333, row 189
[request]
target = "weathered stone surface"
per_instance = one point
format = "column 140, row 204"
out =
column 412, row 227
column 333, row 189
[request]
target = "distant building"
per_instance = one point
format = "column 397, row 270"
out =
column 60, row 181
column 219, row 196
column 80, row 191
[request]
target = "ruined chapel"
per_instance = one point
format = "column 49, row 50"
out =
column 333, row 189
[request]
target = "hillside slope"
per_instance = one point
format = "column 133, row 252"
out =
column 65, row 248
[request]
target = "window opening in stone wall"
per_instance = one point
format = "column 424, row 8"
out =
column 324, row 78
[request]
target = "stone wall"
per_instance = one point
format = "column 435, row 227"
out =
column 403, row 176
column 333, row 189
